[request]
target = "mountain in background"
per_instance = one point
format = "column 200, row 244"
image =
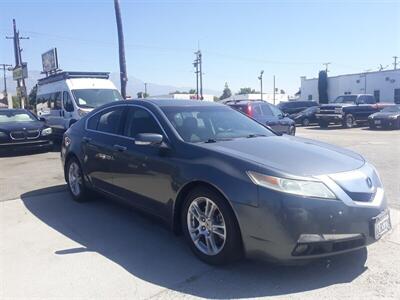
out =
column 134, row 86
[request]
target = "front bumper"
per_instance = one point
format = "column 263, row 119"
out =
column 284, row 227
column 331, row 118
column 41, row 144
column 383, row 123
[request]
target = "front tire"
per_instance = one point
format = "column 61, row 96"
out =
column 210, row 227
column 75, row 181
column 323, row 124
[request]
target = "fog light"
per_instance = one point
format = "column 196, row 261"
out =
column 301, row 249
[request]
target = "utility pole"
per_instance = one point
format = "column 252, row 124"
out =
column 274, row 91
column 121, row 46
column 261, row 83
column 196, row 65
column 4, row 66
column 200, row 58
column 145, row 90
column 326, row 66
column 395, row 62
column 18, row 60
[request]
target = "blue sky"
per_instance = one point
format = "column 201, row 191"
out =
column 237, row 38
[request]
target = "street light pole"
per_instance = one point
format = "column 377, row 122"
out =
column 121, row 46
column 145, row 90
column 261, row 83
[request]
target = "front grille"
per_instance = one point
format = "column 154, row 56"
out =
column 18, row 135
column 32, row 134
column 327, row 111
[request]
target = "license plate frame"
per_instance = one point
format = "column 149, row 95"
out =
column 381, row 224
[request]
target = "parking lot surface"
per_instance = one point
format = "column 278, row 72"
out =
column 52, row 247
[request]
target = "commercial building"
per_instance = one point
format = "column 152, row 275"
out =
column 183, row 97
column 269, row 97
column 384, row 85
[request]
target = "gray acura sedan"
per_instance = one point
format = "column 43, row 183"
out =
column 229, row 184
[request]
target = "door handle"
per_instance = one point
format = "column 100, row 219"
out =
column 119, row 148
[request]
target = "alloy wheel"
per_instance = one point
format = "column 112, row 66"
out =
column 74, row 179
column 206, row 226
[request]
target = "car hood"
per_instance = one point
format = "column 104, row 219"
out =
column 334, row 105
column 384, row 114
column 13, row 126
column 291, row 155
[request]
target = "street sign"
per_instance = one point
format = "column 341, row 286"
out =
column 20, row 72
column 50, row 60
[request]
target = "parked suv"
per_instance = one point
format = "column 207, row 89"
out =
column 265, row 113
column 347, row 110
column 292, row 107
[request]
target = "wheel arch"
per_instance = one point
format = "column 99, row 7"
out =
column 184, row 192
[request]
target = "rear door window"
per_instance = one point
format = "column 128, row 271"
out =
column 266, row 110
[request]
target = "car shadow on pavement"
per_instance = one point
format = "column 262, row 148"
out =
column 151, row 252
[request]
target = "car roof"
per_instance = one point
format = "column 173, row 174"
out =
column 180, row 102
column 234, row 102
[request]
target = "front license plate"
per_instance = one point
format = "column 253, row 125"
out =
column 377, row 122
column 382, row 224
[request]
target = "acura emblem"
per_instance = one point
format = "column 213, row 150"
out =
column 369, row 182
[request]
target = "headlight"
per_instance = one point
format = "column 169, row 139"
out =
column 306, row 188
column 338, row 110
column 46, row 131
column 82, row 113
column 3, row 134
column 393, row 117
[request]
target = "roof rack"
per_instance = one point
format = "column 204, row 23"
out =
column 73, row 74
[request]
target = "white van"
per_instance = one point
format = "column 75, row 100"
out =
column 65, row 97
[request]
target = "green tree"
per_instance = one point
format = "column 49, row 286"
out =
column 192, row 91
column 246, row 90
column 16, row 102
column 142, row 95
column 226, row 93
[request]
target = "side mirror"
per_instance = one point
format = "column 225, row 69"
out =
column 42, row 119
column 149, row 139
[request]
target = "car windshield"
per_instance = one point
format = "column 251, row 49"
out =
column 276, row 111
column 16, row 116
column 210, row 124
column 395, row 108
column 345, row 99
column 91, row 98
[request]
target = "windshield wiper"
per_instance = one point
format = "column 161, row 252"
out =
column 253, row 135
column 210, row 141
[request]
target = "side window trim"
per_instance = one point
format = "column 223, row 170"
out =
column 126, row 106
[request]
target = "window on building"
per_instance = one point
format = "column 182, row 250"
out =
column 377, row 95
column 397, row 96
column 309, row 97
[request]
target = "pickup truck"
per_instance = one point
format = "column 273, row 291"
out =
column 347, row 110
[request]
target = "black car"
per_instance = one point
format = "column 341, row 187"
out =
column 229, row 184
column 305, row 117
column 265, row 113
column 389, row 117
column 20, row 129
column 292, row 107
column 347, row 110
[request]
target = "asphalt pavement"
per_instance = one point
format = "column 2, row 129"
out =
column 52, row 247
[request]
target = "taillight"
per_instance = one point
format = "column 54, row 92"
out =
column 249, row 110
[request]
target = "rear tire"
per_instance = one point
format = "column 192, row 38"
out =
column 210, row 227
column 75, row 181
column 305, row 122
column 349, row 121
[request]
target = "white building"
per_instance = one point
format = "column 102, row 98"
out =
column 385, row 85
column 183, row 97
column 269, row 97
